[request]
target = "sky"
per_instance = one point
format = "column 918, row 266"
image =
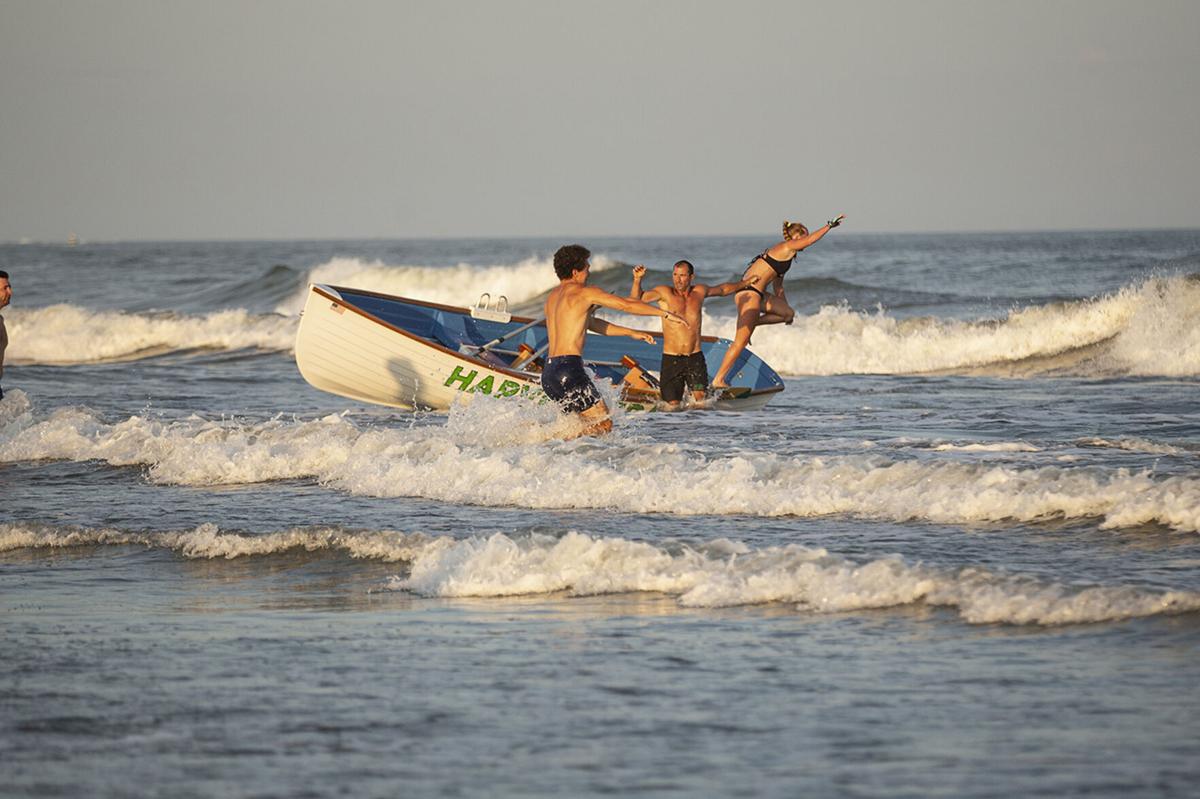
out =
column 264, row 119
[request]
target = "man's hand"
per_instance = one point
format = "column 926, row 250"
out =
column 837, row 220
column 635, row 290
column 642, row 335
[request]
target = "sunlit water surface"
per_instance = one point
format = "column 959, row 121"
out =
column 959, row 555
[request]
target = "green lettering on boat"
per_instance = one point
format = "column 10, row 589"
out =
column 484, row 386
column 458, row 377
column 508, row 388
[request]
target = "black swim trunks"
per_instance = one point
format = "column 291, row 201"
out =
column 565, row 382
column 683, row 372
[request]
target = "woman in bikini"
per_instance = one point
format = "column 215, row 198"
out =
column 755, row 306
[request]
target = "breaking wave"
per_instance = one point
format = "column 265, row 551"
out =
column 473, row 460
column 451, row 285
column 716, row 574
column 67, row 334
column 1144, row 329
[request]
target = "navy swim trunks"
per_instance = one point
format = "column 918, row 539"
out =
column 565, row 382
column 683, row 372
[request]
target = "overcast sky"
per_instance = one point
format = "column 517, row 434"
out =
column 198, row 120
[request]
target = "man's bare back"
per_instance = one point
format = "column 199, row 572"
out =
column 568, row 312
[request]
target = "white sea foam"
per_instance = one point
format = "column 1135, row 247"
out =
column 728, row 575
column 989, row 446
column 1135, row 445
column 473, row 460
column 717, row 574
column 488, row 422
column 207, row 541
column 1145, row 329
column 67, row 334
column 15, row 409
column 455, row 285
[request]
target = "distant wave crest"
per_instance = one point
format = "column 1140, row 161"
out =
column 1145, row 329
column 451, row 285
column 719, row 573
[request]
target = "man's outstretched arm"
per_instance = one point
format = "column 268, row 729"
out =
column 725, row 289
column 606, row 328
column 598, row 296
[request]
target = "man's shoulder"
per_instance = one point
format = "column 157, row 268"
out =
column 565, row 291
column 575, row 295
column 592, row 292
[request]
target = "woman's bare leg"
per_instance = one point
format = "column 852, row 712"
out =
column 748, row 312
column 776, row 311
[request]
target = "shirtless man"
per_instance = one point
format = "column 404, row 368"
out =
column 568, row 318
column 5, row 296
column 683, row 364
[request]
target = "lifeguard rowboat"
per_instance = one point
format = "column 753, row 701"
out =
column 412, row 354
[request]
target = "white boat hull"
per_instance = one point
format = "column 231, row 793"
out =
column 346, row 353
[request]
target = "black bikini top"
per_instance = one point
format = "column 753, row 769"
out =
column 780, row 267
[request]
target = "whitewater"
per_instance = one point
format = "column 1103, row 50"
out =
column 720, row 573
column 467, row 462
column 1144, row 328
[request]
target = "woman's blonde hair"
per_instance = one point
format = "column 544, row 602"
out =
column 790, row 228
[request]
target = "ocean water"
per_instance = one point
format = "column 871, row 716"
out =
column 958, row 556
